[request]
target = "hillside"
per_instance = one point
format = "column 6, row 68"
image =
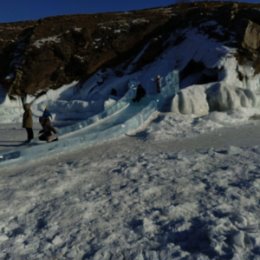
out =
column 39, row 55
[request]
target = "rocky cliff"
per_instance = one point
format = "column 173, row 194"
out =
column 39, row 55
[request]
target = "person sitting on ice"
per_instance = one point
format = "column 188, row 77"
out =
column 46, row 113
column 113, row 93
column 48, row 132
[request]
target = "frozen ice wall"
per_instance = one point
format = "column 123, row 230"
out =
column 117, row 106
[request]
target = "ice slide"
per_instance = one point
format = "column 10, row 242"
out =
column 118, row 106
column 112, row 123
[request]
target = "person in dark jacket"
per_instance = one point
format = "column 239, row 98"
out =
column 140, row 93
column 113, row 92
column 28, row 121
column 48, row 132
column 46, row 113
column 158, row 81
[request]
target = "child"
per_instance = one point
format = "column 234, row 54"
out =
column 48, row 132
column 46, row 113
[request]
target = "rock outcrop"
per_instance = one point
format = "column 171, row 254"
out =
column 192, row 100
column 57, row 50
column 225, row 98
column 252, row 37
column 39, row 55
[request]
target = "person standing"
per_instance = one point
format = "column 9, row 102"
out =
column 140, row 93
column 28, row 122
column 158, row 81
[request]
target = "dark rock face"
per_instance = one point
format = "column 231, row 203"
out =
column 58, row 50
column 43, row 54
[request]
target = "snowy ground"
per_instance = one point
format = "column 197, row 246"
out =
column 157, row 195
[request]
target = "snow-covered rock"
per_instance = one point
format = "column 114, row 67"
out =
column 252, row 36
column 224, row 97
column 191, row 100
column 109, row 102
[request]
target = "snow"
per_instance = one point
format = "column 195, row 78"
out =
column 191, row 100
column 140, row 21
column 134, row 198
column 41, row 42
column 77, row 29
column 184, row 186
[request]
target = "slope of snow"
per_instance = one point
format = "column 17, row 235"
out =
column 134, row 199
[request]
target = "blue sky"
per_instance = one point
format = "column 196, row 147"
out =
column 18, row 10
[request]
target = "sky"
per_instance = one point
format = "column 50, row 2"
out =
column 20, row 10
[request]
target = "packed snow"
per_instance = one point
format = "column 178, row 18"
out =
column 42, row 42
column 184, row 185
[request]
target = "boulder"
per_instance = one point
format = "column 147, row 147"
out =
column 191, row 100
column 222, row 97
column 252, row 36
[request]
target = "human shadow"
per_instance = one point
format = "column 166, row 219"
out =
column 195, row 240
column 11, row 144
